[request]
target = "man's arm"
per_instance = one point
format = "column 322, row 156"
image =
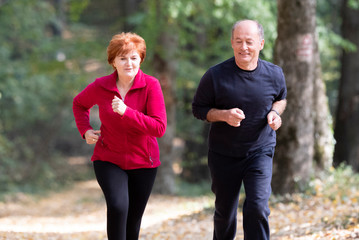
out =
column 279, row 106
column 232, row 116
column 273, row 117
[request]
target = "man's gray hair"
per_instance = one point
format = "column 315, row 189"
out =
column 259, row 27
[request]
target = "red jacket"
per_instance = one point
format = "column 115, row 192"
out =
column 128, row 141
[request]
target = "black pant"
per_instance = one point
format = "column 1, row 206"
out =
column 126, row 193
column 228, row 173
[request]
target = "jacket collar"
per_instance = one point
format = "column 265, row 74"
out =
column 109, row 82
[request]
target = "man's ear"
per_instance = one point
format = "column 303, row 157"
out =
column 262, row 44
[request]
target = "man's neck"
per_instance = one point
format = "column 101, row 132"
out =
column 247, row 66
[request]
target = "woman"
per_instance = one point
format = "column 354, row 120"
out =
column 126, row 155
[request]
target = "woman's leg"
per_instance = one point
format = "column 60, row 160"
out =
column 140, row 183
column 114, row 184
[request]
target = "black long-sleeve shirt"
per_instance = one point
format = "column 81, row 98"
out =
column 226, row 86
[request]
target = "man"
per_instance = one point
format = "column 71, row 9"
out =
column 243, row 98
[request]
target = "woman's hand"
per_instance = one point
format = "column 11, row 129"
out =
column 92, row 136
column 118, row 106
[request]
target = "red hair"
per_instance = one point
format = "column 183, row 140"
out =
column 123, row 43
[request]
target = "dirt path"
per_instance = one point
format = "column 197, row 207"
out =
column 79, row 213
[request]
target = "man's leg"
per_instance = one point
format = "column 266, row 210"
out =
column 226, row 184
column 257, row 184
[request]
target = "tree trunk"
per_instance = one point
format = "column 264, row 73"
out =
column 323, row 136
column 295, row 52
column 347, row 116
column 164, row 62
column 165, row 71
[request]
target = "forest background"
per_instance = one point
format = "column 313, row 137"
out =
column 51, row 49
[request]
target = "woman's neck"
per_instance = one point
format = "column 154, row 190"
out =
column 124, row 85
column 124, row 82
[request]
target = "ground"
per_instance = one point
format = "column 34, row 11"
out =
column 79, row 213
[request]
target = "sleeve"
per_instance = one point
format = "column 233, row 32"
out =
column 81, row 106
column 154, row 122
column 282, row 88
column 204, row 97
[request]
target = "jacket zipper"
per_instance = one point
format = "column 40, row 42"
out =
column 151, row 161
column 149, row 152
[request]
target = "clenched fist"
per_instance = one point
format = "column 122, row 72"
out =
column 274, row 120
column 118, row 106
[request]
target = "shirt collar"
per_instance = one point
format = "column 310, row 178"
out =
column 109, row 82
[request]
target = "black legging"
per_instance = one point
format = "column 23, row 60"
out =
column 126, row 193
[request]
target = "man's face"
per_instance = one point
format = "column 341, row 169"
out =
column 246, row 44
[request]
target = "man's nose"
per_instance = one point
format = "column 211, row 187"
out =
column 243, row 46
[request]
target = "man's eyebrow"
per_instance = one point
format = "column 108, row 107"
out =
column 247, row 39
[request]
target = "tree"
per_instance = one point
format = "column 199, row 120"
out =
column 296, row 51
column 323, row 136
column 37, row 80
column 161, row 37
column 26, row 104
column 347, row 116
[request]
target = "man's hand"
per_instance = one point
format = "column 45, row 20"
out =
column 232, row 116
column 273, row 117
column 274, row 120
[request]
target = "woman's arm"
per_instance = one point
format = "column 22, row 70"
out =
column 154, row 122
column 81, row 106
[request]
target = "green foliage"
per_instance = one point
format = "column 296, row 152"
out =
column 76, row 7
column 331, row 44
column 203, row 28
column 354, row 4
column 24, row 23
column 336, row 184
column 39, row 74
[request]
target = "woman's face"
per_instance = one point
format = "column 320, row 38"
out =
column 127, row 65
